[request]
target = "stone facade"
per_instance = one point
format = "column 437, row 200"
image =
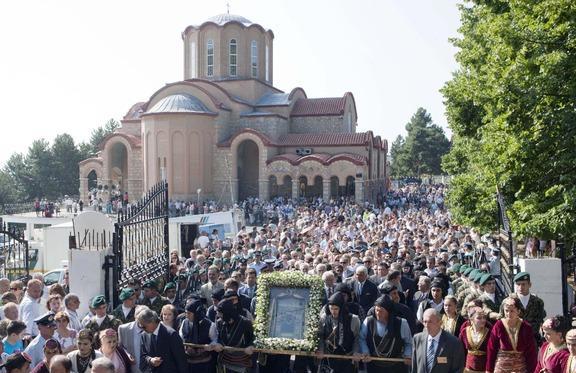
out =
column 225, row 133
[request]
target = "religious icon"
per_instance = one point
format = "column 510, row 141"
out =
column 287, row 312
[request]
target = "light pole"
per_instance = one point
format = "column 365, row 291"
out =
column 198, row 191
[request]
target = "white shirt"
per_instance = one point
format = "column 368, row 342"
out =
column 36, row 350
column 126, row 310
column 74, row 320
column 524, row 299
column 436, row 341
column 29, row 310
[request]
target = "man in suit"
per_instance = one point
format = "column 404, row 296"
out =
column 435, row 350
column 249, row 288
column 329, row 279
column 161, row 348
column 381, row 273
column 212, row 285
column 129, row 338
column 365, row 291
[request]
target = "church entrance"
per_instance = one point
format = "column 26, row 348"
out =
column 248, row 164
column 118, row 166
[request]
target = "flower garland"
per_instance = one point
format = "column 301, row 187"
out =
column 288, row 279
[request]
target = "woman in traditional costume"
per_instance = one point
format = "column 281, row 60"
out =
column 117, row 354
column 451, row 320
column 511, row 347
column 553, row 354
column 475, row 337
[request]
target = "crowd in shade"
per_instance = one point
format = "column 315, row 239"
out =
column 404, row 290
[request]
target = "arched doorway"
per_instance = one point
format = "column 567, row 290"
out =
column 350, row 186
column 92, row 180
column 248, row 168
column 286, row 189
column 315, row 190
column 118, row 165
column 334, row 187
column 272, row 187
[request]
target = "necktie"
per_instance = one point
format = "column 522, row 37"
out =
column 329, row 292
column 359, row 288
column 153, row 344
column 430, row 355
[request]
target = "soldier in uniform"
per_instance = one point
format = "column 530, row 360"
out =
column 475, row 291
column 152, row 299
column 101, row 320
column 125, row 311
column 490, row 300
column 532, row 307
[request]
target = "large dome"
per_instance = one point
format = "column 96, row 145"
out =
column 224, row 18
column 179, row 103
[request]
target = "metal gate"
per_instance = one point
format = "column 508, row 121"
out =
column 140, row 241
column 14, row 253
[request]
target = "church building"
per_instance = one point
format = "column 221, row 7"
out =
column 226, row 133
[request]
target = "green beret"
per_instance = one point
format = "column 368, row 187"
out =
column 467, row 271
column 522, row 276
column 456, row 268
column 150, row 285
column 472, row 273
column 125, row 294
column 97, row 301
column 463, row 268
column 485, row 278
column 478, row 276
column 170, row 285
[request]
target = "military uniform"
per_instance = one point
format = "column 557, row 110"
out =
column 109, row 321
column 157, row 304
column 118, row 313
column 533, row 312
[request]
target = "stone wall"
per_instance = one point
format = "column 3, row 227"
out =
column 319, row 124
column 271, row 126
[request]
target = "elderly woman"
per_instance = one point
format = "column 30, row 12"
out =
column 117, row 354
column 475, row 337
column 553, row 354
column 51, row 349
column 511, row 347
column 196, row 328
column 85, row 354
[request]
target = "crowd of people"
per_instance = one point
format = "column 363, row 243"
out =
column 404, row 290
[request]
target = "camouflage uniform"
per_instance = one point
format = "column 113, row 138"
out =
column 157, row 305
column 109, row 322
column 118, row 313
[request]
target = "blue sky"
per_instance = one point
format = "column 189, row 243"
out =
column 68, row 66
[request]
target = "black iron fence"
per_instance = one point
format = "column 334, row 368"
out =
column 15, row 258
column 140, row 242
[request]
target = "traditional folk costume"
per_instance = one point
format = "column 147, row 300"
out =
column 476, row 345
column 452, row 325
column 200, row 331
column 339, row 336
column 238, row 333
column 552, row 359
column 511, row 349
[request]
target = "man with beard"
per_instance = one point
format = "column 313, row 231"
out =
column 339, row 332
column 234, row 331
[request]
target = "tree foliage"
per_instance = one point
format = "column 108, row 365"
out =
column 48, row 170
column 422, row 149
column 511, row 107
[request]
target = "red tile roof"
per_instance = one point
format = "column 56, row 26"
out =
column 324, row 139
column 305, row 107
column 322, row 158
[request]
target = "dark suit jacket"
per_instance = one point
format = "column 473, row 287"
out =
column 450, row 356
column 408, row 284
column 368, row 296
column 169, row 347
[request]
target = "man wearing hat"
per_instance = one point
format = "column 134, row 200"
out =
column 170, row 292
column 532, row 306
column 216, row 297
column 101, row 320
column 46, row 326
column 152, row 298
column 489, row 298
column 125, row 311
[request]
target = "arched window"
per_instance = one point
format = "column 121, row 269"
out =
column 210, row 58
column 193, row 59
column 233, row 53
column 254, row 58
column 267, row 64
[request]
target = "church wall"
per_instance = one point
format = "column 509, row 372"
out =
column 317, row 124
column 130, row 127
column 271, row 126
column 361, row 150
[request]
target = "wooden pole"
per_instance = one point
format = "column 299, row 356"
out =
column 296, row 353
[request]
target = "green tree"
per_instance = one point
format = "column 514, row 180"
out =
column 511, row 106
column 65, row 158
column 422, row 150
column 42, row 180
column 100, row 134
column 19, row 174
column 8, row 192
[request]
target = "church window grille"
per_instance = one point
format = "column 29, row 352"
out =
column 233, row 54
column 210, row 58
column 254, row 59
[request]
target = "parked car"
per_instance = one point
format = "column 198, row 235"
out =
column 55, row 276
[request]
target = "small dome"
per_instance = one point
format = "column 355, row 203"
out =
column 224, row 18
column 181, row 102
